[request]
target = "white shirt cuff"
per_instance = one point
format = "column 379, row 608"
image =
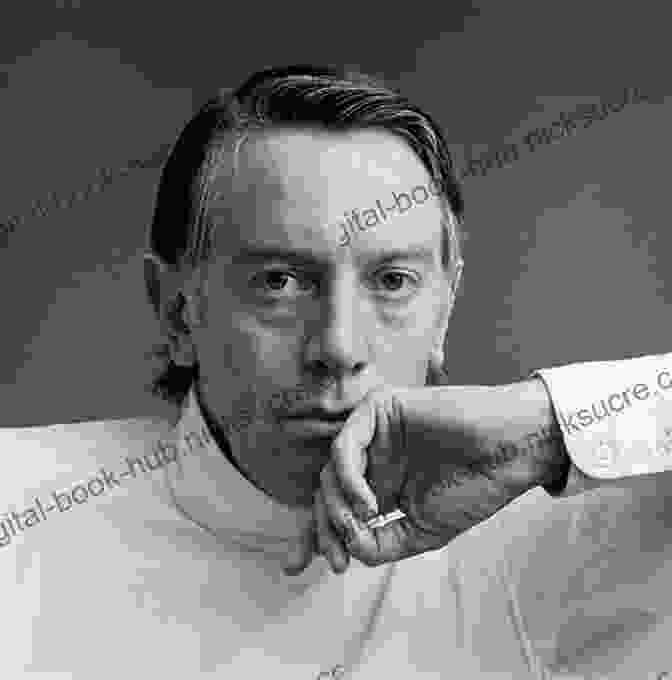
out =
column 615, row 417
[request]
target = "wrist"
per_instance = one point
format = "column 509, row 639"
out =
column 543, row 440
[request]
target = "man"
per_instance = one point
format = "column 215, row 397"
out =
column 197, row 555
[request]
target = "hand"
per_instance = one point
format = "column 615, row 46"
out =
column 447, row 457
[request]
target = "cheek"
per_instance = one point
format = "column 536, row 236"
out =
column 223, row 350
column 403, row 359
column 409, row 339
column 225, row 374
column 238, row 363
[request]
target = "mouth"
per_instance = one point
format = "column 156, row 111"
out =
column 314, row 423
column 311, row 427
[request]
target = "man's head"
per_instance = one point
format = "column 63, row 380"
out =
column 254, row 283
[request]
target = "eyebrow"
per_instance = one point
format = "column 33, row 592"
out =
column 249, row 254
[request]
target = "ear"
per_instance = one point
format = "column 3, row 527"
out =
column 437, row 358
column 178, row 304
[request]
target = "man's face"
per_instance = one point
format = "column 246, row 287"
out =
column 290, row 309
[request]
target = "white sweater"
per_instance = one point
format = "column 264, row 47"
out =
column 122, row 585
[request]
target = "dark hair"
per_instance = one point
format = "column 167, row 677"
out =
column 335, row 98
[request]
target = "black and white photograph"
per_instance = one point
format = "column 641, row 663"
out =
column 335, row 341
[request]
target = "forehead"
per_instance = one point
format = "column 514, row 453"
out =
column 295, row 188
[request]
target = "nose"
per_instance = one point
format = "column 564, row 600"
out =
column 338, row 343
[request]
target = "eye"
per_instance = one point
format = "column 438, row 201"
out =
column 279, row 283
column 275, row 280
column 393, row 281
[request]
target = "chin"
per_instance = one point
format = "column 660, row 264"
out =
column 298, row 498
column 291, row 466
column 302, row 446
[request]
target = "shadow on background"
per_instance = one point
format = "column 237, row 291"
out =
column 564, row 260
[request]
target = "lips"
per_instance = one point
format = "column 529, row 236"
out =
column 315, row 422
column 318, row 413
column 310, row 427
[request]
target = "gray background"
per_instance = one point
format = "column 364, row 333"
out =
column 566, row 256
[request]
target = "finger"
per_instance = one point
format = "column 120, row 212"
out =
column 339, row 512
column 395, row 540
column 328, row 542
column 349, row 459
column 301, row 557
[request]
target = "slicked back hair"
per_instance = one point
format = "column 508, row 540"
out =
column 332, row 98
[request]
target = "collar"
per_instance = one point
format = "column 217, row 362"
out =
column 212, row 493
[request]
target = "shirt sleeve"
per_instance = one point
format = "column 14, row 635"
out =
column 615, row 418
